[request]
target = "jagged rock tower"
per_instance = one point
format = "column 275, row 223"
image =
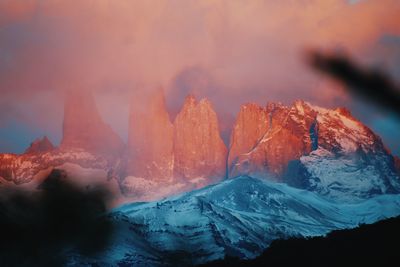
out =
column 83, row 128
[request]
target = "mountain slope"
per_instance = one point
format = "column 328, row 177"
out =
column 238, row 217
column 344, row 177
column 313, row 148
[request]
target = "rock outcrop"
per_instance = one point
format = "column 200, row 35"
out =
column 323, row 150
column 265, row 140
column 198, row 148
column 40, row 146
column 151, row 134
column 314, row 148
column 251, row 125
column 83, row 127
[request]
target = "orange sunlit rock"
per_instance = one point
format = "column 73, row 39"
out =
column 198, row 147
column 40, row 145
column 282, row 135
column 150, row 144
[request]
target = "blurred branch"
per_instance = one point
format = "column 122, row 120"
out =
column 371, row 85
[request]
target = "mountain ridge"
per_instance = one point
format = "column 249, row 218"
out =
column 285, row 143
column 239, row 218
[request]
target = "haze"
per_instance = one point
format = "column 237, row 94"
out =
column 229, row 51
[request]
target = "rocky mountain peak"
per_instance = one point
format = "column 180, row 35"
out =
column 323, row 150
column 190, row 102
column 295, row 139
column 251, row 125
column 83, row 127
column 40, row 145
column 340, row 132
column 199, row 149
column 273, row 136
column 150, row 144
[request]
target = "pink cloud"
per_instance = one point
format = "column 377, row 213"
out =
column 250, row 50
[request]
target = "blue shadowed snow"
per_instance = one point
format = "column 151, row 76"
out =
column 238, row 217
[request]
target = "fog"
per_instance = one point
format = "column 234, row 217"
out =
column 229, row 51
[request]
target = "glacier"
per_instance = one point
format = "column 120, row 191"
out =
column 238, row 217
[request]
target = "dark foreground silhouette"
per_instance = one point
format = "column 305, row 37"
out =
column 40, row 228
column 367, row 245
column 372, row 85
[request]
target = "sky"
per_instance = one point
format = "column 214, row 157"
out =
column 232, row 52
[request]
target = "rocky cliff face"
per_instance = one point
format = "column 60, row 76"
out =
column 83, row 128
column 198, row 148
column 350, row 160
column 322, row 150
column 40, row 146
column 340, row 133
column 151, row 133
column 264, row 140
column 251, row 125
column 306, row 146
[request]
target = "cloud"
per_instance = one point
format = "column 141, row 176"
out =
column 16, row 10
column 249, row 50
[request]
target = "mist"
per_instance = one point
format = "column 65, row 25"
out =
column 229, row 51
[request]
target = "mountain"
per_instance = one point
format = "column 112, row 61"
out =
column 151, row 137
column 343, row 173
column 348, row 177
column 40, row 145
column 284, row 133
column 198, row 148
column 238, row 218
column 83, row 127
column 350, row 160
column 279, row 134
column 306, row 146
column 165, row 158
column 250, row 126
column 31, row 168
column 323, row 150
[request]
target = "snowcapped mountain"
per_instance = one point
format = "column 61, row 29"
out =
column 237, row 217
column 322, row 150
column 350, row 161
column 25, row 168
column 346, row 177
